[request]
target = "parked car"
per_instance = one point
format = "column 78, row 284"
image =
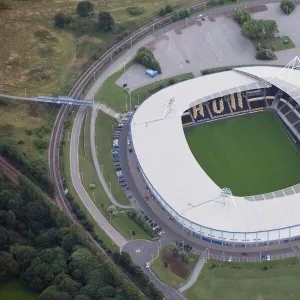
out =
column 230, row 259
column 121, row 180
column 117, row 165
column 128, row 142
column 147, row 265
column 161, row 232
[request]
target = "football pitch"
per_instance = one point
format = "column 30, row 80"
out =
column 249, row 154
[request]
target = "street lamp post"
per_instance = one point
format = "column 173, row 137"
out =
column 110, row 217
column 112, row 127
column 101, row 168
column 81, row 176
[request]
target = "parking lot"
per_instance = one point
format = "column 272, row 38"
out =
column 212, row 44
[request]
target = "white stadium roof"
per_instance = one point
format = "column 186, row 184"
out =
column 167, row 161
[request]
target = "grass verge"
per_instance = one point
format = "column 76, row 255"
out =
column 14, row 290
column 276, row 44
column 66, row 157
column 228, row 68
column 231, row 147
column 280, row 280
column 166, row 274
column 122, row 223
column 115, row 97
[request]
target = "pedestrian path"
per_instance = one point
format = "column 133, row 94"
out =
column 195, row 274
column 107, row 110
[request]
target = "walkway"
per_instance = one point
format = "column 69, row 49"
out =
column 18, row 97
column 195, row 274
column 107, row 110
column 76, row 181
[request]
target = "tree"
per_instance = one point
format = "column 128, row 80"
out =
column 9, row 268
column 23, row 254
column 259, row 29
column 287, row 6
column 84, row 8
column 265, row 54
column 69, row 286
column 125, row 260
column 52, row 293
column 175, row 250
column 242, row 16
column 60, row 20
column 106, row 21
column 146, row 58
column 183, row 256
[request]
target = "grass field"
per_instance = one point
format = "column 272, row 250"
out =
column 248, row 282
column 250, row 154
column 165, row 274
column 14, row 290
column 18, row 116
column 115, row 97
column 66, row 162
column 122, row 222
column 44, row 59
column 276, row 44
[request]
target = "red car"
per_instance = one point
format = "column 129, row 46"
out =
column 244, row 253
column 146, row 198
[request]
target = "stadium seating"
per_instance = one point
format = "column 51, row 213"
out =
column 186, row 118
column 285, row 109
column 292, row 117
column 255, row 104
column 298, row 109
column 297, row 127
column 270, row 101
column 280, row 104
column 198, row 109
column 221, row 106
column 232, row 101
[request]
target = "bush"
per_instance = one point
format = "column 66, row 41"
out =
column 242, row 16
column 42, row 131
column 265, row 54
column 84, row 8
column 146, row 58
column 166, row 264
column 4, row 5
column 134, row 10
column 182, row 14
column 171, row 81
column 169, row 9
column 40, row 144
column 62, row 20
column 106, row 21
column 287, row 6
column 162, row 12
column 221, row 2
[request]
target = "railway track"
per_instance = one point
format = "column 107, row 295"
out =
column 9, row 171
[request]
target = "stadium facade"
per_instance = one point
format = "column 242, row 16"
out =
column 178, row 183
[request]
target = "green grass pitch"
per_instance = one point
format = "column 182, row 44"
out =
column 250, row 154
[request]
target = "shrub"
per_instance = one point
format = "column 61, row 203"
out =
column 162, row 12
column 106, row 21
column 221, row 2
column 134, row 10
column 169, row 9
column 265, row 54
column 20, row 142
column 171, row 81
column 146, row 58
column 84, row 8
column 242, row 16
column 4, row 5
column 166, row 264
column 62, row 20
column 287, row 6
column 40, row 144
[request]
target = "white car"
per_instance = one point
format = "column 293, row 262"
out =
column 200, row 17
column 230, row 259
column 128, row 142
column 161, row 232
column 268, row 257
column 147, row 265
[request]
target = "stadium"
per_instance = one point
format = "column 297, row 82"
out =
column 234, row 179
